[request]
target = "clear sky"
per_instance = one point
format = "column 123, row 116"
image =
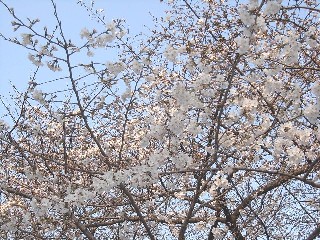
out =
column 14, row 64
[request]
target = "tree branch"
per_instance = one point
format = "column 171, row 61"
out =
column 137, row 210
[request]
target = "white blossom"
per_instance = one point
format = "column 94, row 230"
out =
column 111, row 26
column 243, row 44
column 35, row 61
column 272, row 7
column 136, row 66
column 312, row 113
column 26, row 39
column 54, row 66
column 115, row 67
column 171, row 53
column 85, row 34
column 3, row 125
column 38, row 96
column 246, row 17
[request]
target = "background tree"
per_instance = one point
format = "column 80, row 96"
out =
column 216, row 135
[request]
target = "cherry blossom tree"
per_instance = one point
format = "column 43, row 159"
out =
column 206, row 127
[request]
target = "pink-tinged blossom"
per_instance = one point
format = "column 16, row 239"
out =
column 203, row 128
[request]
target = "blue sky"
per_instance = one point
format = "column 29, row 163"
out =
column 14, row 64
